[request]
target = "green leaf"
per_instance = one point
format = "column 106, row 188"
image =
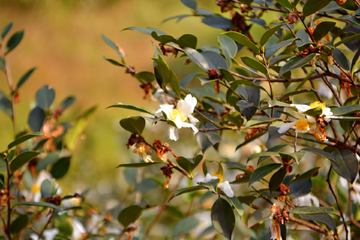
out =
column 21, row 159
column 321, row 153
column 347, row 166
column 60, row 168
column 147, row 30
column 113, row 62
column 312, row 210
column 129, row 106
column 184, row 226
column 188, row 78
column 340, row 111
column 137, row 165
column 25, row 77
column 272, row 49
column 129, row 215
column 50, row 158
column 187, row 40
column 243, row 40
column 174, row 84
column 5, row 104
column 255, row 64
column 297, row 156
column 134, row 124
column 322, row 29
column 341, row 59
column 307, row 175
column 145, row 75
column 263, row 154
column 311, row 7
column 197, row 58
column 261, row 172
column 190, row 4
column 297, row 92
column 2, row 63
column 235, row 118
column 300, row 188
column 38, row 204
column 163, row 38
column 146, row 185
column 277, row 179
column 234, row 201
column 268, row 34
column 272, row 149
column 22, row 139
column 6, row 29
column 46, row 189
column 296, row 62
column 2, row 181
column 218, row 21
column 251, row 139
column 356, row 36
column 189, row 165
column 187, row 190
column 223, row 218
column 19, row 223
column 228, row 48
column 259, row 216
column 355, row 62
column 14, row 41
column 45, row 97
column 68, row 102
column 323, row 218
column 286, row 4
column 113, row 46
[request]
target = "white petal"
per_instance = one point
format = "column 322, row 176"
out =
column 301, row 107
column 178, row 122
column 193, row 120
column 198, row 178
column 284, row 128
column 78, row 229
column 189, row 125
column 225, row 187
column 166, row 108
column 187, row 105
column 208, row 177
column 71, row 202
column 173, row 133
column 50, row 234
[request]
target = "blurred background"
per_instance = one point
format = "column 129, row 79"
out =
column 63, row 41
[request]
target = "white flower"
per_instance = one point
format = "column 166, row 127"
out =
column 355, row 189
column 180, row 115
column 224, row 186
column 307, row 200
column 78, row 230
column 72, row 201
column 35, row 192
column 49, row 234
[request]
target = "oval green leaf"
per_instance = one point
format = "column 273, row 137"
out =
column 129, row 106
column 21, row 159
column 296, row 62
column 45, row 97
column 243, row 40
column 22, row 139
column 129, row 215
column 261, row 172
column 134, row 124
column 223, row 218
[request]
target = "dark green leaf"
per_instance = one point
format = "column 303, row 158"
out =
column 271, row 49
column 297, row 156
column 190, row 4
column 14, row 41
column 255, row 64
column 234, row 201
column 249, row 140
column 215, row 60
column 197, row 58
column 187, row 190
column 263, row 154
column 322, row 29
column 50, row 158
column 228, row 48
column 307, row 175
column 311, row 7
column 46, row 189
column 347, row 166
column 277, row 179
column 60, row 168
column 25, row 77
column 147, row 30
column 19, row 223
column 321, row 153
column 235, row 118
column 22, row 139
column 134, row 124
column 36, row 119
column 163, row 38
column 45, row 97
column 218, row 21
column 353, row 37
column 323, row 218
column 2, row 63
column 189, row 165
column 174, row 84
column 184, row 226
column 243, row 40
column 2, row 181
column 188, row 78
column 68, row 102
column 187, row 40
column 21, row 159
column 129, row 215
column 223, row 218
column 131, row 107
column 6, row 29
column 296, row 62
column 146, row 185
column 114, row 62
column 5, row 104
column 300, row 188
column 212, row 185
column 286, row 4
column 39, row 204
column 340, row 111
column 112, row 45
column 268, row 34
column 355, row 62
column 312, row 210
column 261, row 172
column 259, row 216
column 272, row 149
column 137, row 165
column 145, row 75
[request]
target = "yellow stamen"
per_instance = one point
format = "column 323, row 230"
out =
column 318, row 104
column 35, row 188
column 302, row 125
column 219, row 176
column 176, row 112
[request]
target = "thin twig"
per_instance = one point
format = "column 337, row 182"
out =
column 337, row 202
column 46, row 224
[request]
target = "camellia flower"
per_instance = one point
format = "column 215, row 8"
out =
column 142, row 149
column 49, row 234
column 306, row 123
column 224, row 186
column 180, row 115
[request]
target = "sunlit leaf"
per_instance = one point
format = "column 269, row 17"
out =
column 131, row 107
column 259, row 216
column 262, row 171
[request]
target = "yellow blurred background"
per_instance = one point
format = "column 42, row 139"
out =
column 63, row 40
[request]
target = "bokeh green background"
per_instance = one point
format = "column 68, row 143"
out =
column 63, row 40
